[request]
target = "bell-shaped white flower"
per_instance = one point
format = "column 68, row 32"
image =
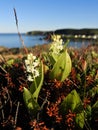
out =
column 32, row 66
column 57, row 44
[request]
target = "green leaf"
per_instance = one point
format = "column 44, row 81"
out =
column 36, row 87
column 95, row 108
column 52, row 58
column 10, row 62
column 46, row 69
column 92, row 92
column 71, row 102
column 62, row 67
column 80, row 119
column 88, row 112
column 66, row 43
column 30, row 103
column 95, row 111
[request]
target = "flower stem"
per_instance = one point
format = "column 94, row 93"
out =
column 35, row 83
column 84, row 84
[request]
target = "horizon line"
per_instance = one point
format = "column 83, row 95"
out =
column 47, row 30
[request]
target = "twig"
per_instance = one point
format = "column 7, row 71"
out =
column 3, row 69
column 45, row 101
column 22, row 41
column 16, row 115
column 8, row 98
column 73, row 83
column 3, row 114
column 2, row 58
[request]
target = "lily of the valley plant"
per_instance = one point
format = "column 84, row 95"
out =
column 60, row 62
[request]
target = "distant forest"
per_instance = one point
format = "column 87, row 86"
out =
column 66, row 32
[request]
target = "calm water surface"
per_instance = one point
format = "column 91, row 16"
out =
column 13, row 41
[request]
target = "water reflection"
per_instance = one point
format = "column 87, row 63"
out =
column 79, row 44
column 12, row 40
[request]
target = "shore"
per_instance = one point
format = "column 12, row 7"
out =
column 9, row 53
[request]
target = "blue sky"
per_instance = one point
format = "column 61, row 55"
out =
column 48, row 14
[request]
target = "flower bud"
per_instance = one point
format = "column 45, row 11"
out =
column 84, row 65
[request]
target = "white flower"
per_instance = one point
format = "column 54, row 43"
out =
column 27, row 62
column 57, row 44
column 30, row 78
column 30, row 69
column 32, row 66
column 36, row 73
column 31, row 57
column 36, row 63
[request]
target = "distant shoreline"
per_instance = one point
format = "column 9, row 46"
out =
column 69, row 31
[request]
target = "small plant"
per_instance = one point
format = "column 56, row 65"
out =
column 35, row 73
column 58, row 59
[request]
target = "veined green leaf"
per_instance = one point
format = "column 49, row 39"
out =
column 80, row 119
column 30, row 103
column 71, row 102
column 62, row 67
column 88, row 111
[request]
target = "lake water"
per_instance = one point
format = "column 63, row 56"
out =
column 13, row 41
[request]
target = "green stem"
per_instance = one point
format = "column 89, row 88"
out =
column 84, row 84
column 35, row 83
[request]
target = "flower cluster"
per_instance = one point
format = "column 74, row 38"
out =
column 32, row 66
column 57, row 44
